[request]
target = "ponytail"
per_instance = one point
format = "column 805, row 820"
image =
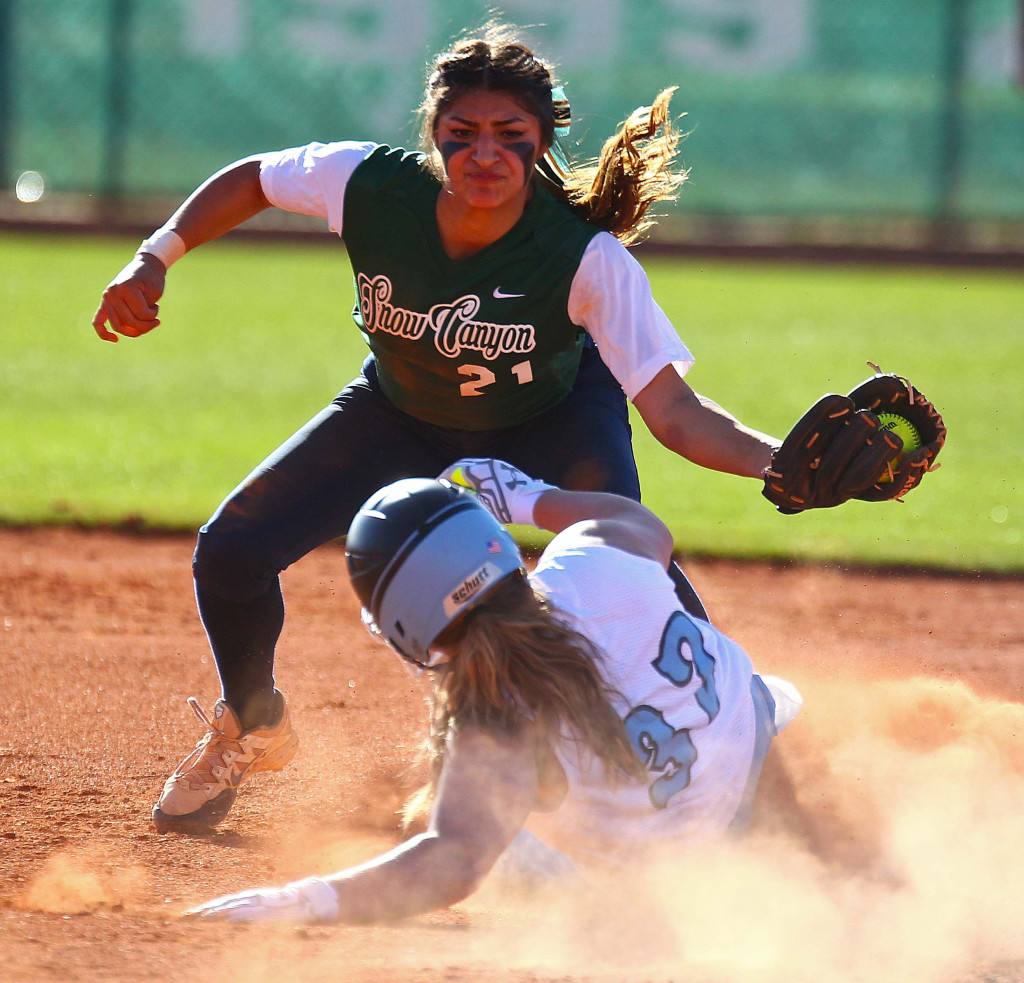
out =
column 634, row 171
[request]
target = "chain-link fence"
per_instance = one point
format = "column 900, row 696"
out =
column 799, row 109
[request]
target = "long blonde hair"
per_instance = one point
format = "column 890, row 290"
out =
column 514, row 662
column 636, row 167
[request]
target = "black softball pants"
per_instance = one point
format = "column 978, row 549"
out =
column 307, row 491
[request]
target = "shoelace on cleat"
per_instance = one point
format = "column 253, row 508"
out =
column 211, row 747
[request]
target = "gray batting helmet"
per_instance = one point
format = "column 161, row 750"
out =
column 421, row 552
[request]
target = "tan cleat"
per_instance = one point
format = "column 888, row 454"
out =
column 202, row 789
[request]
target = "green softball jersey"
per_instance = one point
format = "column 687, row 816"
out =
column 490, row 340
column 478, row 343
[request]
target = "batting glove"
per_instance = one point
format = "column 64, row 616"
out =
column 505, row 491
column 308, row 901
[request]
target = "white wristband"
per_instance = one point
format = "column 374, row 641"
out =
column 166, row 245
column 321, row 900
column 521, row 505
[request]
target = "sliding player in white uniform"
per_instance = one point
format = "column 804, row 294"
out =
column 584, row 691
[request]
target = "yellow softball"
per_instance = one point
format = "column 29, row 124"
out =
column 902, row 428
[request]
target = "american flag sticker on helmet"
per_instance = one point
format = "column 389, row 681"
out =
column 493, row 546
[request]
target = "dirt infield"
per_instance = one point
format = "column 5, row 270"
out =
column 901, row 860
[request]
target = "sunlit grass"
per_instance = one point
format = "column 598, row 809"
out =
column 257, row 338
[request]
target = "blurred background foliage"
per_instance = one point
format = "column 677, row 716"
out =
column 879, row 120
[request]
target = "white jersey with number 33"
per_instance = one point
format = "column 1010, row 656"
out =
column 686, row 703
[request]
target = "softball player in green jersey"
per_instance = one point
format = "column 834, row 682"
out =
column 504, row 318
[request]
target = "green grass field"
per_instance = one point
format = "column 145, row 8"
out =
column 257, row 337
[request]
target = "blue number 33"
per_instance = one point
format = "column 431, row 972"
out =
column 668, row 752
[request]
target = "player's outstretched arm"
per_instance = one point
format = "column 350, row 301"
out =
column 698, row 429
column 488, row 785
column 130, row 303
column 609, row 519
column 510, row 495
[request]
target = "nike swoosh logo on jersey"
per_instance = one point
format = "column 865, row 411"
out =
column 499, row 294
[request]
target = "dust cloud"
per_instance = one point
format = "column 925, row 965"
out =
column 901, row 859
column 80, row 881
column 894, row 853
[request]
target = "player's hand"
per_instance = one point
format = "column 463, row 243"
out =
column 505, row 491
column 308, row 902
column 129, row 303
column 529, row 864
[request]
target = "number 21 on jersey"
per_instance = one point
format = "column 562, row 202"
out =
column 667, row 752
column 480, row 377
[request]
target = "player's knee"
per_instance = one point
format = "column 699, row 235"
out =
column 229, row 564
